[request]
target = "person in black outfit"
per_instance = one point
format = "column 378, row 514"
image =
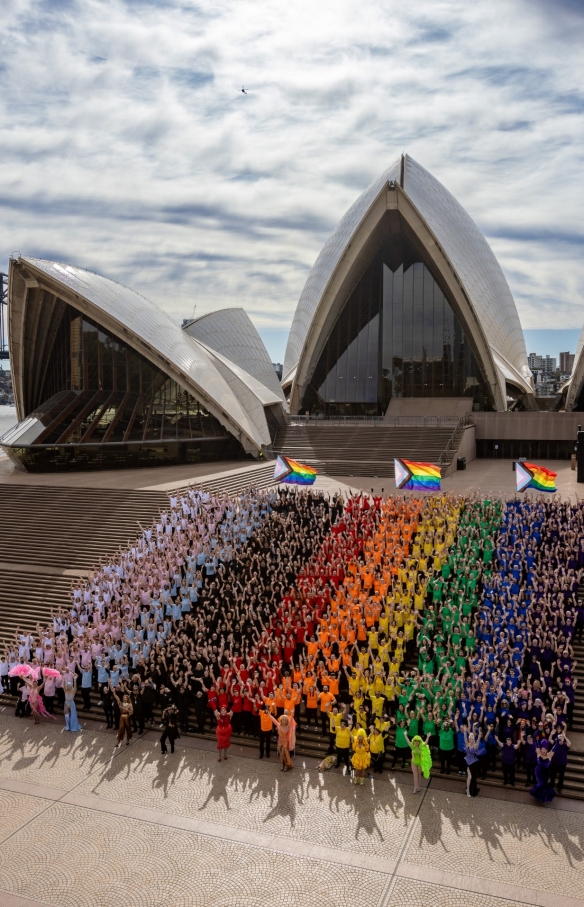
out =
column 148, row 694
column 138, row 713
column 182, row 701
column 107, row 702
column 170, row 732
column 200, row 707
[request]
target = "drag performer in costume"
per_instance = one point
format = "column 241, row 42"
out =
column 361, row 758
column 223, row 731
column 542, row 790
column 286, row 728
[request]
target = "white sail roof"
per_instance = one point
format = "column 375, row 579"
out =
column 157, row 336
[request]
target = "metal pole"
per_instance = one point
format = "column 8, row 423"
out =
column 3, row 325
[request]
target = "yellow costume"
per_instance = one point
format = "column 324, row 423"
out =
column 361, row 758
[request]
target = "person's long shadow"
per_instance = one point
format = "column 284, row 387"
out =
column 219, row 782
column 264, row 789
column 551, row 827
column 289, row 793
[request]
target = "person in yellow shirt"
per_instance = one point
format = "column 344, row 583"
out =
column 343, row 744
column 409, row 627
column 376, row 748
column 383, row 650
column 377, row 704
column 363, row 657
column 394, row 664
column 354, row 681
column 334, row 717
column 389, row 690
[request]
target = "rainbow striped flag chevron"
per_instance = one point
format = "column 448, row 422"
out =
column 528, row 475
column 293, row 473
column 412, row 476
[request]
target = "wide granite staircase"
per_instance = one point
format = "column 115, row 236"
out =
column 51, row 536
column 366, row 448
column 236, row 481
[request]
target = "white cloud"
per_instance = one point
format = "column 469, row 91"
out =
column 126, row 146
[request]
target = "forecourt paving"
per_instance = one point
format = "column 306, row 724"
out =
column 84, row 824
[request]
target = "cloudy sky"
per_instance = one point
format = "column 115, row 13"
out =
column 127, row 147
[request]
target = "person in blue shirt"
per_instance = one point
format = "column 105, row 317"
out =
column 86, row 684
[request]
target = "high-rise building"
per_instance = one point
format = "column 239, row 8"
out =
column 545, row 364
column 566, row 363
column 535, row 362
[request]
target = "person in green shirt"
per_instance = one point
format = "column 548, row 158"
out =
column 446, row 746
column 401, row 749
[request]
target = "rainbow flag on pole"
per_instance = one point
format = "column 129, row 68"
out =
column 528, row 475
column 293, row 473
column 416, row 476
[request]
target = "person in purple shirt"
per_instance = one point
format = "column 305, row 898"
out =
column 530, row 758
column 508, row 759
column 559, row 760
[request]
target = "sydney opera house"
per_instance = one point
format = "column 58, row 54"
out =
column 406, row 300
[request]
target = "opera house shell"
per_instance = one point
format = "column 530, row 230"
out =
column 406, row 299
column 571, row 396
column 104, row 378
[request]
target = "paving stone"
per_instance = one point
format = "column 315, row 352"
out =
column 407, row 893
column 47, row 753
column 76, row 857
column 320, row 808
column 16, row 810
column 512, row 843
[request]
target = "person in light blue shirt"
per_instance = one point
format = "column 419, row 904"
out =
column 86, row 684
column 102, row 672
column 115, row 676
column 135, row 652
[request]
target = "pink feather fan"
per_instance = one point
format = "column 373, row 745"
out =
column 20, row 671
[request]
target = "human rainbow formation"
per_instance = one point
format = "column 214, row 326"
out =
column 450, row 618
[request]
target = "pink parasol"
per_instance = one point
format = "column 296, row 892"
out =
column 20, row 671
column 51, row 672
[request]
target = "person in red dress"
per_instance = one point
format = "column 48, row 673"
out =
column 223, row 731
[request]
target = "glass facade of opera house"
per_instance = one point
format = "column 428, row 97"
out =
column 105, row 405
column 396, row 336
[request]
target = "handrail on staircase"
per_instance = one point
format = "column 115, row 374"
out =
column 387, row 421
column 460, row 424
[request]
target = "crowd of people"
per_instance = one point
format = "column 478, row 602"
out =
column 401, row 628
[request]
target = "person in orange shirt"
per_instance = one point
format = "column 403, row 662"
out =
column 266, row 730
column 334, row 664
column 311, row 706
column 326, row 700
column 332, row 682
column 279, row 699
column 312, row 647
